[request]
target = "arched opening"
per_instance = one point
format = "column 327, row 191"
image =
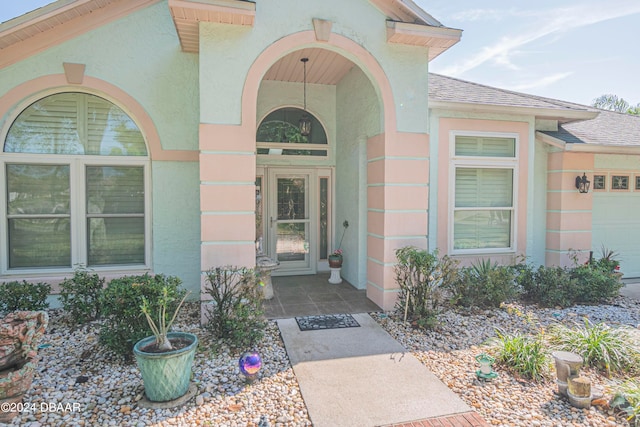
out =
column 282, row 127
column 76, row 181
column 310, row 186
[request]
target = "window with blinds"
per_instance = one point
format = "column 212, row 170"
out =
column 62, row 211
column 115, row 215
column 483, row 202
column 38, row 215
column 75, row 123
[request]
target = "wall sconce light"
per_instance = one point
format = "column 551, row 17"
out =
column 582, row 183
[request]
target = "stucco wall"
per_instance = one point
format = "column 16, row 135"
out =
column 152, row 69
column 536, row 241
column 228, row 51
column 357, row 119
column 140, row 55
column 176, row 222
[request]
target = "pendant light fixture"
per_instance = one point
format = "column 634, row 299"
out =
column 305, row 122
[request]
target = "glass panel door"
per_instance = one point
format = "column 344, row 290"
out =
column 290, row 221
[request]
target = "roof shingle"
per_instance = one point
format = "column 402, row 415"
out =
column 607, row 128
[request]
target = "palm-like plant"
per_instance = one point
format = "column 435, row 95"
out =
column 161, row 328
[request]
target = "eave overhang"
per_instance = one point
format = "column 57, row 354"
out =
column 587, row 147
column 57, row 22
column 437, row 39
column 187, row 14
column 562, row 115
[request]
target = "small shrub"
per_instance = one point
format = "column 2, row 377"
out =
column 546, row 286
column 422, row 278
column 595, row 283
column 121, row 302
column 627, row 399
column 236, row 305
column 24, row 296
column 523, row 354
column 80, row 296
column 484, row 284
column 601, row 346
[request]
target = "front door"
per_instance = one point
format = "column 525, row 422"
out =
column 290, row 226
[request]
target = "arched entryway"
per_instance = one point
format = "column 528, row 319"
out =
column 370, row 165
column 311, row 187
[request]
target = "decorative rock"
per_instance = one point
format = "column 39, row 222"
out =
column 199, row 400
column 505, row 402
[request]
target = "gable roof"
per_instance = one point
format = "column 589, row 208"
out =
column 608, row 128
column 577, row 124
column 56, row 22
column 447, row 91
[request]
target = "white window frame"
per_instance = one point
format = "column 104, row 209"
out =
column 77, row 176
column 482, row 163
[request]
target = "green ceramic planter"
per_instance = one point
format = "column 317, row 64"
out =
column 166, row 376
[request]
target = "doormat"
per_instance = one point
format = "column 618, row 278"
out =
column 326, row 321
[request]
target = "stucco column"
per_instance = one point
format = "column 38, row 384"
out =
column 227, row 197
column 569, row 213
column 397, row 194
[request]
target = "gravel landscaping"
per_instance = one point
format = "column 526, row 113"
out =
column 79, row 384
column 507, row 400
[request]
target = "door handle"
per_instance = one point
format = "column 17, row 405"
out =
column 272, row 221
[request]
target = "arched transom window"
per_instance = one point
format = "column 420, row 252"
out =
column 76, row 174
column 279, row 134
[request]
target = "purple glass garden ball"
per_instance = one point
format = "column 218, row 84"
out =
column 250, row 364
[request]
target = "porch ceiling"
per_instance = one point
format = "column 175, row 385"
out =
column 324, row 67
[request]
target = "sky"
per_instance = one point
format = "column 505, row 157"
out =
column 574, row 50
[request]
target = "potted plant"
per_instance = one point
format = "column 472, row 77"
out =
column 335, row 259
column 165, row 359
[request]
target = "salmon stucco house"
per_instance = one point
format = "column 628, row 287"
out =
column 173, row 136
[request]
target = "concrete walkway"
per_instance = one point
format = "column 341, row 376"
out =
column 631, row 289
column 362, row 377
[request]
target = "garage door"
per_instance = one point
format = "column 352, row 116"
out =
column 616, row 225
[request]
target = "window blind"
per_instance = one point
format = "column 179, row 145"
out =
column 38, row 215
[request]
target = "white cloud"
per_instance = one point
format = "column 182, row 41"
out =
column 552, row 22
column 470, row 15
column 541, row 82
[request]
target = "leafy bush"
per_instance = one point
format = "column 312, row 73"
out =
column 80, row 295
column 523, row 354
column 236, row 305
column 595, row 283
column 601, row 346
column 422, row 277
column 484, row 284
column 546, row 286
column 121, row 302
column 627, row 399
column 24, row 296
